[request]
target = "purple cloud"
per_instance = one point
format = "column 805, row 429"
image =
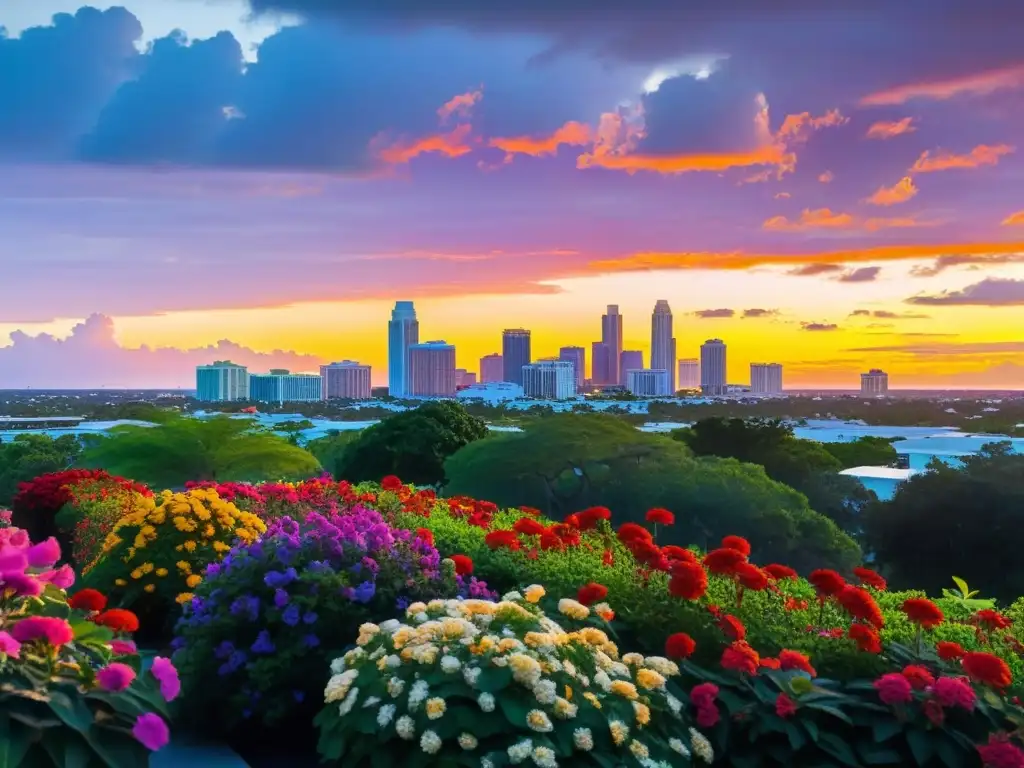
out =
column 709, row 314
column 990, row 292
column 819, row 326
column 811, row 270
column 760, row 312
column 860, row 275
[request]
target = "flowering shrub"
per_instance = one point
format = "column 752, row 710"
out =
column 72, row 691
column 156, row 555
column 271, row 500
column 476, row 682
column 266, row 621
column 92, row 510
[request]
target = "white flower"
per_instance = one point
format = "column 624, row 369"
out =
column 499, row 661
column 349, row 702
column 544, row 757
column 601, row 678
column 486, row 702
column 674, row 704
column 519, row 752
column 486, row 762
column 450, row 664
column 418, row 694
column 436, row 708
column 511, row 597
column 406, row 727
column 430, row 742
column 583, row 739
column 662, row 666
column 393, row 661
column 539, row 721
column 678, row 746
column 619, row 669
column 468, row 741
column 569, row 667
column 633, row 659
column 338, row 666
column 573, row 609
column 544, row 691
column 372, row 701
column 390, row 626
column 421, row 617
column 701, row 746
column 395, row 687
column 470, row 675
column 385, row 714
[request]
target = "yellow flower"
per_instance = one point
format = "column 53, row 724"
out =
column 594, row 701
column 193, row 581
column 220, row 546
column 184, row 567
column 619, row 731
column 140, row 542
column 161, row 572
column 120, row 582
column 184, row 597
column 436, row 708
column 624, row 689
column 643, row 713
column 534, row 593
column 149, row 588
column 640, row 751
column 137, row 573
column 649, row 679
column 190, row 545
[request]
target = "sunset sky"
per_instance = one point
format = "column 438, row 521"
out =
column 829, row 189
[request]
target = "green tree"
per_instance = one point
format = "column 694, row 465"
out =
column 330, row 448
column 182, row 449
column 28, row 456
column 570, row 461
column 412, row 444
column 863, row 452
column 965, row 521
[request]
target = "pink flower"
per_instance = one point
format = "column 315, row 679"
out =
column 954, row 692
column 12, row 560
column 1000, row 753
column 164, row 671
column 123, row 647
column 9, row 645
column 54, row 631
column 894, row 688
column 21, row 584
column 115, row 677
column 704, row 694
column 151, row 731
column 784, row 706
column 44, row 554
column 62, row 578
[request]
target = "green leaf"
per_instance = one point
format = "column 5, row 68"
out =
column 71, row 709
column 950, row 754
column 15, row 741
column 797, row 740
column 962, row 585
column 494, row 679
column 90, row 632
column 831, row 711
column 884, row 729
column 838, row 748
column 878, row 754
column 922, row 745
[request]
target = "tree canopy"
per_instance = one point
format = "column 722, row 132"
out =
column 411, row 444
column 571, row 461
column 965, row 521
column 182, row 449
column 28, row 456
column 863, row 452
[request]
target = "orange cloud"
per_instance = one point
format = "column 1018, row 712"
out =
column 979, row 84
column 453, row 144
column 1014, row 220
column 896, row 222
column 798, row 128
column 461, row 105
column 822, row 218
column 888, row 129
column 672, row 164
column 944, row 160
column 739, row 260
column 900, row 192
column 572, row 133
column 826, row 177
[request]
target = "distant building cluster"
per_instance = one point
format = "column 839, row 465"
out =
column 224, row 381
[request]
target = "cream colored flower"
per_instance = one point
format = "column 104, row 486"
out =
column 430, row 742
column 468, row 741
column 701, row 746
column 436, row 708
column 539, row 721
column 649, row 679
column 573, row 609
column 639, row 750
column 619, row 731
column 583, row 739
column 534, row 593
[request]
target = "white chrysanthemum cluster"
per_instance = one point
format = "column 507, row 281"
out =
column 510, row 649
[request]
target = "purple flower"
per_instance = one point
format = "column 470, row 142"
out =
column 213, row 569
column 364, row 592
column 151, row 731
column 275, row 579
column 164, row 671
column 22, row 584
column 291, row 615
column 311, row 641
column 62, row 578
column 225, row 649
column 280, row 598
column 310, row 618
column 299, row 696
column 246, row 604
column 263, row 643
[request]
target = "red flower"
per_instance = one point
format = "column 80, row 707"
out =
column 390, row 483
column 796, row 660
column 549, row 540
column 948, row 651
column 738, row 543
column 751, row 577
column 688, row 581
column 426, row 534
column 703, row 695
column 740, row 657
column 463, row 565
column 530, row 511
column 659, row 516
column 991, row 620
column 780, row 572
column 502, row 540
column 572, row 520
column 118, row 620
column 608, row 558
column 528, row 527
column 866, row 638
column 724, row 562
column 784, row 706
column 589, row 518
column 88, row 600
column 988, row 669
column 934, row 712
column 792, row 604
column 869, row 578
column 770, row 663
column 919, row 677
column 826, row 583
column 1000, row 753
column 629, row 532
column 592, row 593
column 859, row 603
column 893, row 689
column 678, row 554
column 569, row 535
column 679, row 646
column 731, row 627
column 647, row 553
column 923, row 611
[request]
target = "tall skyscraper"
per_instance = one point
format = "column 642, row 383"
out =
column 765, row 378
column 712, row 367
column 599, row 363
column 222, row 380
column 629, row 360
column 611, row 336
column 515, row 353
column 663, row 345
column 491, row 368
column 874, row 382
column 551, row 379
column 689, row 374
column 403, row 332
column 347, row 380
column 432, row 369
column 578, row 357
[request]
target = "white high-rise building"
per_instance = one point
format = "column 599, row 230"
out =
column 766, row 378
column 550, row 379
column 281, row 386
column 689, row 374
column 648, row 382
column 712, row 367
column 403, row 332
column 874, row 382
column 222, row 381
column 663, row 345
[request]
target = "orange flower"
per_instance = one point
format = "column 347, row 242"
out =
column 724, row 562
column 740, row 657
column 859, row 603
column 923, row 612
column 988, row 669
column 738, row 543
column 796, row 660
column 826, row 583
column 869, row 578
column 659, row 516
column 679, row 646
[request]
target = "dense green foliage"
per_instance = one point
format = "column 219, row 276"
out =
column 863, row 452
column 28, row 456
column 184, row 449
column 411, row 444
column 330, row 448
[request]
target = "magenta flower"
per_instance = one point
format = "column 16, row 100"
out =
column 164, row 671
column 44, row 554
column 893, row 688
column 54, row 631
column 62, row 578
column 21, row 584
column 12, row 560
column 151, row 731
column 123, row 647
column 115, row 677
column 9, row 645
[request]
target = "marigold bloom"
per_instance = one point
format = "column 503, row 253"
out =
column 659, row 516
column 827, row 583
column 463, row 565
column 859, row 603
column 869, row 578
column 118, row 620
column 796, row 660
column 779, row 572
column 738, row 543
column 784, row 706
column 724, row 562
column 688, row 581
column 988, row 669
column 948, row 651
column 591, row 593
column 89, row 600
column 893, row 689
column 679, row 646
column 919, row 677
column 865, row 637
column 740, row 657
column 923, row 612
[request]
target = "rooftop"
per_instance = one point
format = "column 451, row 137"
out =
column 880, row 473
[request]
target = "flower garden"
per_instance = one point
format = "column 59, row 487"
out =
column 377, row 625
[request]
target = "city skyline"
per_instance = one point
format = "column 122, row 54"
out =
column 504, row 174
